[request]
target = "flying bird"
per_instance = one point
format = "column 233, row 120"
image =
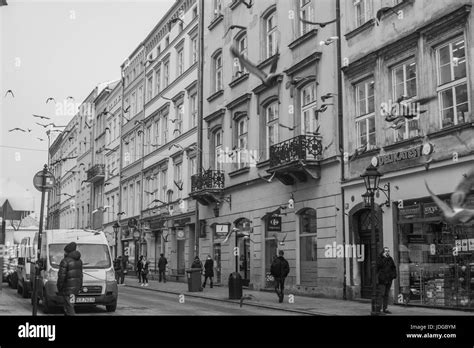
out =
column 84, row 181
column 177, row 146
column 85, row 122
column 139, row 132
column 107, row 183
column 456, row 213
column 269, row 179
column 295, row 80
column 284, row 126
column 150, row 192
column 234, row 27
column 427, row 163
column 267, row 79
column 172, row 120
column 107, row 129
column 42, row 117
column 40, row 139
column 322, row 108
column 127, row 109
column 11, row 92
column 166, row 98
column 50, row 98
column 329, row 41
column 281, row 242
column 247, row 4
column 42, row 125
column 156, row 200
column 121, row 213
column 70, row 97
column 382, row 11
column 327, row 96
column 321, row 24
column 179, row 186
column 233, row 230
column 359, row 151
column 327, row 146
column 19, row 129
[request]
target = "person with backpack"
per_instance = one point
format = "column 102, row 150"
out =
column 279, row 270
column 162, row 262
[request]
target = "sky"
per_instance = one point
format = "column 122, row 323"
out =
column 59, row 48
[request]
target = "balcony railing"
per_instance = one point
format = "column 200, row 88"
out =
column 212, row 180
column 96, row 173
column 299, row 148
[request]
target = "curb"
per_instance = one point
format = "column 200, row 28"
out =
column 231, row 301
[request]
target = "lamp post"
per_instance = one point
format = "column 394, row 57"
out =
column 116, row 228
column 371, row 178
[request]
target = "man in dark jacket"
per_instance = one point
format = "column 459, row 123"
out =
column 162, row 262
column 140, row 265
column 208, row 270
column 279, row 270
column 386, row 273
column 70, row 277
column 119, row 268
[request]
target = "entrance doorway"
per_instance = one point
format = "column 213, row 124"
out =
column 365, row 238
column 217, row 259
column 180, row 256
column 243, row 225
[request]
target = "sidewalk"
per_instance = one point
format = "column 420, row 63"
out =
column 301, row 304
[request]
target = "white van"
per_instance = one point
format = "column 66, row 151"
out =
column 99, row 285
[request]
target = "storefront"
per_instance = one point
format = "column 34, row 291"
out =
column 436, row 263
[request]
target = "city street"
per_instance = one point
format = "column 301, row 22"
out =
column 136, row 301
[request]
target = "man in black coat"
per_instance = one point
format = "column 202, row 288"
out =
column 162, row 262
column 70, row 277
column 386, row 273
column 279, row 270
column 208, row 270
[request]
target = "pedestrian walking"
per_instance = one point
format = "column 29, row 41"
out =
column 118, row 268
column 162, row 262
column 140, row 265
column 145, row 271
column 70, row 277
column 386, row 273
column 208, row 270
column 279, row 270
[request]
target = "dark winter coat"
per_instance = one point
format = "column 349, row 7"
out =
column 118, row 265
column 280, row 267
column 197, row 264
column 70, row 274
column 145, row 268
column 209, row 268
column 386, row 270
column 162, row 262
column 140, row 265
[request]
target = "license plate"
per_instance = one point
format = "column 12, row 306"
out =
column 85, row 299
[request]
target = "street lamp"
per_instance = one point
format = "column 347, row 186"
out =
column 371, row 178
column 116, row 228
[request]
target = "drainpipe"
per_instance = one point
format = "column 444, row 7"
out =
column 197, row 228
column 341, row 141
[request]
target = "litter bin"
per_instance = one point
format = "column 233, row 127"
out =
column 194, row 279
column 235, row 286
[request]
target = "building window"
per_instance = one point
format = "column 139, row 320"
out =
column 140, row 99
column 365, row 121
column 242, row 46
column 133, row 107
column 242, row 142
column 180, row 61
column 179, row 120
column 164, row 129
column 178, row 177
column 363, row 11
column 218, row 152
column 193, row 108
column 194, row 49
column 167, row 41
column 192, row 169
column 157, row 81
column 195, row 12
column 271, row 34
column 166, row 73
column 148, row 139
column 306, row 13
column 138, row 194
column 217, row 59
column 149, row 88
column 126, row 104
column 308, row 247
column 309, row 116
column 452, row 83
column 271, row 117
column 217, row 7
column 131, row 199
column 163, row 181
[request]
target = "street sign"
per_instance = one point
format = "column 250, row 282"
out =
column 38, row 181
column 136, row 234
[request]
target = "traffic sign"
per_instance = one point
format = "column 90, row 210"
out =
column 38, row 181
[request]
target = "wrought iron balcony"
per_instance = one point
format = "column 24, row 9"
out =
column 296, row 159
column 96, row 173
column 205, row 187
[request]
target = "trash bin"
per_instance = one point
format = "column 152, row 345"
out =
column 194, row 279
column 235, row 286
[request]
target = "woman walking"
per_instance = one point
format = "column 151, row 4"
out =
column 145, row 272
column 208, row 270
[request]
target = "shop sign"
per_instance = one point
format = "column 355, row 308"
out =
column 411, row 212
column 471, row 244
column 403, row 155
column 431, row 210
column 417, row 239
column 221, row 230
column 274, row 224
column 180, row 234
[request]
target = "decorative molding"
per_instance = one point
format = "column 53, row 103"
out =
column 234, row 4
column 300, row 40
column 366, row 26
column 216, row 114
column 262, row 87
column 215, row 95
column 447, row 23
column 179, row 44
column 216, row 21
column 177, row 97
column 268, row 61
column 316, row 56
column 238, row 80
column 239, row 172
column 239, row 100
column 364, row 64
column 191, row 86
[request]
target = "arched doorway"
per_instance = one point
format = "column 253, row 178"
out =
column 362, row 235
column 243, row 243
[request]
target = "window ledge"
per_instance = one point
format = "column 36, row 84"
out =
column 239, row 172
column 215, row 21
column 267, row 61
column 215, row 95
column 303, row 39
column 448, row 130
column 263, row 163
column 370, row 23
column 238, row 80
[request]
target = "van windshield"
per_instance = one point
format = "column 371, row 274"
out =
column 92, row 255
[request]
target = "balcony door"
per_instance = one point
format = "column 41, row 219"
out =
column 309, row 118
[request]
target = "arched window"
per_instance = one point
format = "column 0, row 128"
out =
column 308, row 247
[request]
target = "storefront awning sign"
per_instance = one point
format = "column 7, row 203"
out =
column 274, row 223
column 180, row 234
column 221, row 230
column 403, row 155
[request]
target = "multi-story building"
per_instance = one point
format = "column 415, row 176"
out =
column 270, row 148
column 55, row 167
column 420, row 52
column 159, row 138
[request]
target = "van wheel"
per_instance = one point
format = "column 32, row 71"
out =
column 112, row 307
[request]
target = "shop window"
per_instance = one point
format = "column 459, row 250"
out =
column 308, row 247
column 365, row 116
